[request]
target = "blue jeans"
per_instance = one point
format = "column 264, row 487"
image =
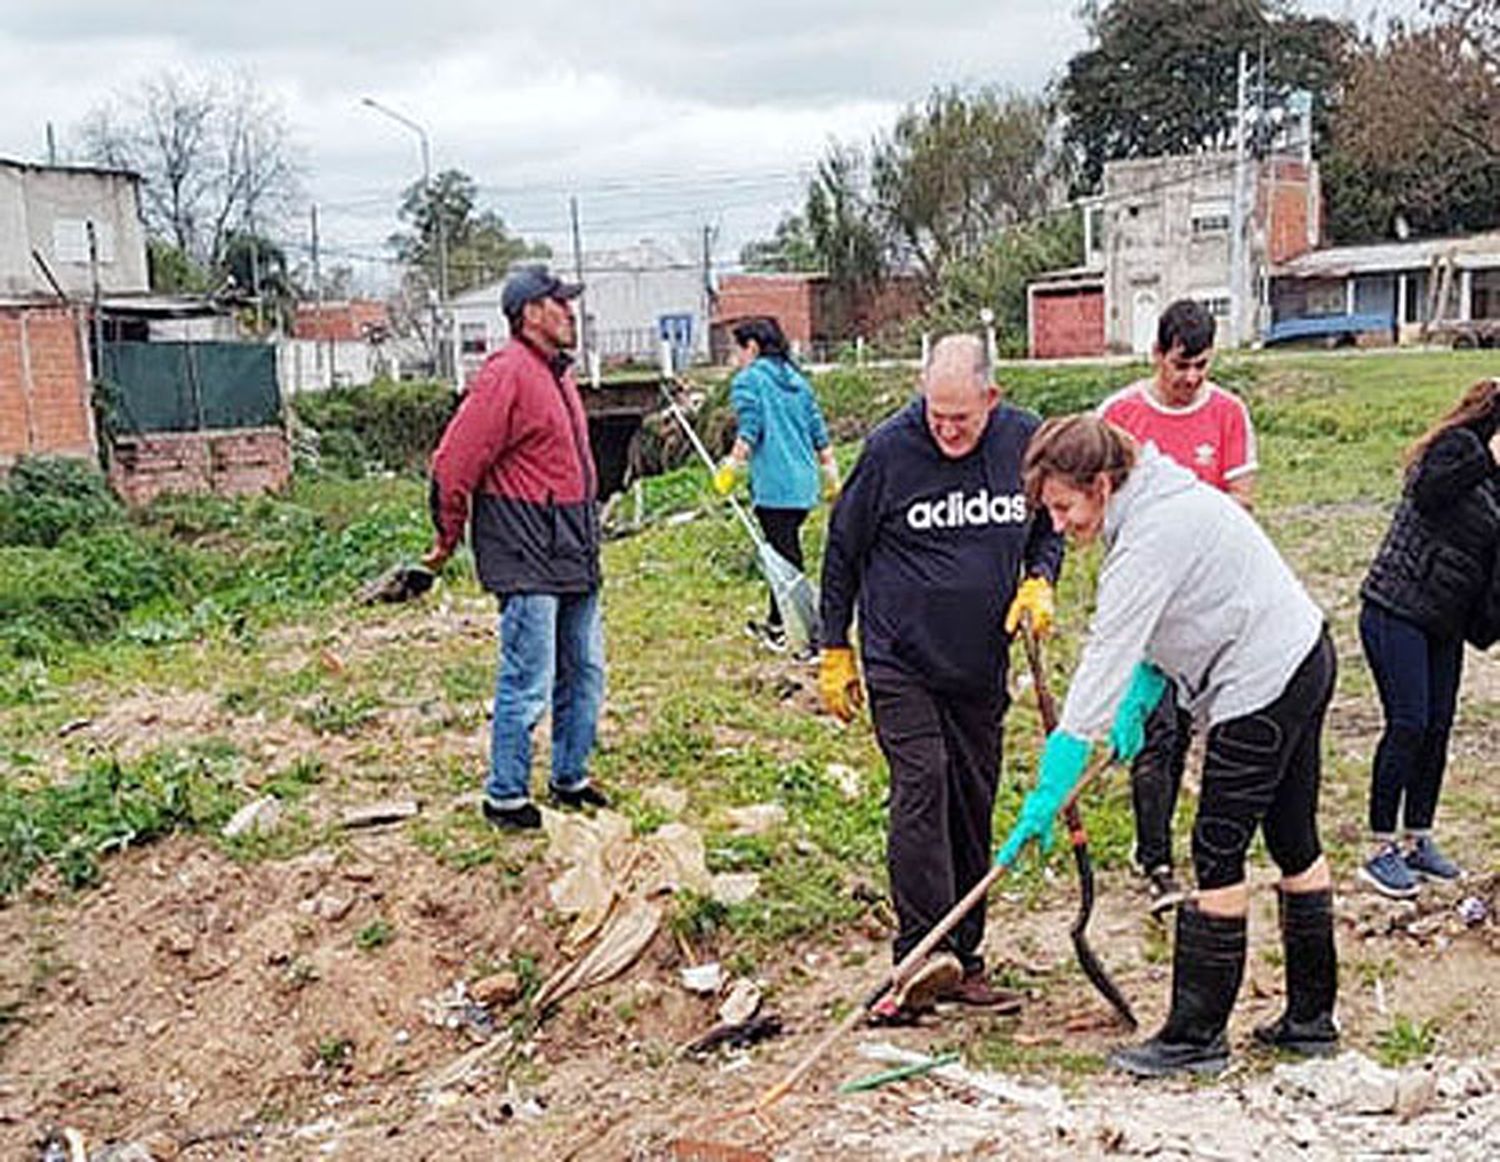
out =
column 551, row 650
column 1417, row 676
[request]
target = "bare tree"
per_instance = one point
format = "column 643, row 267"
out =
column 214, row 150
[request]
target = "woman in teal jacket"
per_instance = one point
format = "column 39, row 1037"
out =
column 782, row 437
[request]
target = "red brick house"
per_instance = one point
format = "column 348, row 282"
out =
column 816, row 316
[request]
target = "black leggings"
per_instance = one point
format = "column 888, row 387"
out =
column 1262, row 770
column 783, row 528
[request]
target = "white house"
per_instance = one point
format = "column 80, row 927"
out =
column 633, row 299
column 46, row 212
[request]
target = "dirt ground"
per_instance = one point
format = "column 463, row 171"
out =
column 203, row 1008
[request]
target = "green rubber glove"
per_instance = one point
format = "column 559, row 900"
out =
column 1063, row 759
column 1142, row 696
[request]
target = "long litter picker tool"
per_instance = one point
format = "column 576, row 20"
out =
column 891, row 983
column 792, row 591
column 1088, row 960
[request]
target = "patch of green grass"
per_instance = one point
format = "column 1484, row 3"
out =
column 331, row 714
column 110, row 805
column 1406, row 1040
column 996, row 1049
column 376, row 934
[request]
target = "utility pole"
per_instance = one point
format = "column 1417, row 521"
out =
column 1237, row 255
column 441, row 347
column 708, row 278
column 318, row 292
column 583, row 313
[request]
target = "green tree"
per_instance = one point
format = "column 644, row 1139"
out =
column 957, row 168
column 1160, row 77
column 790, row 249
column 480, row 247
column 995, row 276
column 1417, row 134
column 258, row 267
column 173, row 271
column 843, row 223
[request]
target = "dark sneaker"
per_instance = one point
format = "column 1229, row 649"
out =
column 976, row 990
column 1387, row 873
column 526, row 817
column 772, row 637
column 584, row 796
column 1424, row 860
column 1165, row 892
column 1159, row 1058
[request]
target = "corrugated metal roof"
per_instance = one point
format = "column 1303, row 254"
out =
column 1474, row 251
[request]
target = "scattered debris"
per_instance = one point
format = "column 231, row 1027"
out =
column 757, row 818
column 376, row 814
column 397, row 584
column 740, row 1036
column 706, row 979
column 1472, row 911
column 899, row 1073
column 72, row 726
column 496, row 990
column 742, row 1003
column 846, row 779
column 672, row 800
column 734, row 887
column 257, row 817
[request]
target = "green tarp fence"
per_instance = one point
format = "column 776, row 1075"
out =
column 188, row 387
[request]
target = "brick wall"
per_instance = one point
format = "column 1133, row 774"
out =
column 788, row 298
column 229, row 463
column 1067, row 323
column 349, row 321
column 1284, row 192
column 44, row 395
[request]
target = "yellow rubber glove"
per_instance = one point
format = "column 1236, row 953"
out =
column 838, row 683
column 725, row 475
column 1034, row 597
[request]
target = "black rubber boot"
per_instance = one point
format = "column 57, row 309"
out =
column 1208, row 964
column 1312, row 977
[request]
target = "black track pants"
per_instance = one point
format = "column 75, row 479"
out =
column 944, row 757
column 783, row 528
column 1263, row 770
column 1156, row 780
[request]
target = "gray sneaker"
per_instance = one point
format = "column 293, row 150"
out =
column 1387, row 873
column 1426, row 862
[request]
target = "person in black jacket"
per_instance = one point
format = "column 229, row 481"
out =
column 1427, row 590
column 934, row 540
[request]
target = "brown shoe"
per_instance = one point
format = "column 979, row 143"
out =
column 975, row 989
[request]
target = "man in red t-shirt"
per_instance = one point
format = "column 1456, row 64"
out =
column 1206, row 430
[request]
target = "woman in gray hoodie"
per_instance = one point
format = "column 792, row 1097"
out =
column 1192, row 591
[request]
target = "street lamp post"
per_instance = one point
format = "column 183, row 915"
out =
column 439, row 310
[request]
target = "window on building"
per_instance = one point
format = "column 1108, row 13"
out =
column 70, row 240
column 1217, row 302
column 1485, row 303
column 473, row 338
column 1209, row 216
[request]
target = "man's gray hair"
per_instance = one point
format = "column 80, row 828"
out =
column 960, row 355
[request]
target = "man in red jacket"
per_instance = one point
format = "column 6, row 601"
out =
column 515, row 466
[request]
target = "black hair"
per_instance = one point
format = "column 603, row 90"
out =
column 1186, row 324
column 765, row 332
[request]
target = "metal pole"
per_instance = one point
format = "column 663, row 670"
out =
column 583, row 314
column 440, row 342
column 1237, row 212
column 318, row 290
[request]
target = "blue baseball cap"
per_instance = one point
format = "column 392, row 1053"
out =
column 531, row 283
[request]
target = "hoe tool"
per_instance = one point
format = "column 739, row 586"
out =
column 1088, row 960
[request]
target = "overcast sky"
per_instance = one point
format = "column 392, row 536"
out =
column 661, row 116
